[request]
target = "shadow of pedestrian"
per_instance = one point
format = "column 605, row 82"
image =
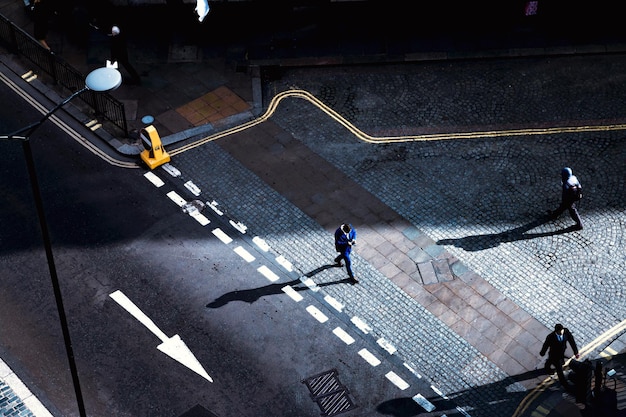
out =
column 252, row 295
column 480, row 242
column 321, row 269
column 407, row 407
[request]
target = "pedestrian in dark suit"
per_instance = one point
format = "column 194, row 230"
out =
column 41, row 15
column 345, row 238
column 569, row 197
column 556, row 344
column 119, row 53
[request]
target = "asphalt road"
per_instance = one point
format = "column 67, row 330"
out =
column 113, row 230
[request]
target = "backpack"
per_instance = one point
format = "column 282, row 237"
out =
column 576, row 192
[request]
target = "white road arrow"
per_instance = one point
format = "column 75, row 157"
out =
column 173, row 347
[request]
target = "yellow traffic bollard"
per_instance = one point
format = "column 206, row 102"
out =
column 154, row 153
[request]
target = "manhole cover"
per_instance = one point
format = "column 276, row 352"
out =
column 329, row 394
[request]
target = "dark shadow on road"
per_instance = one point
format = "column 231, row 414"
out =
column 522, row 395
column 407, row 407
column 321, row 269
column 252, row 295
column 480, row 242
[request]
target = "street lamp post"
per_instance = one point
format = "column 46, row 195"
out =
column 100, row 80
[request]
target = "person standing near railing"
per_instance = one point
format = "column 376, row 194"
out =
column 41, row 17
column 119, row 53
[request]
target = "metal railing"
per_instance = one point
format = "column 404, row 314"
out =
column 63, row 74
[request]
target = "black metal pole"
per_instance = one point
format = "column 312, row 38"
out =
column 30, row 163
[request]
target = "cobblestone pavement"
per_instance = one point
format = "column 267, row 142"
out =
column 481, row 199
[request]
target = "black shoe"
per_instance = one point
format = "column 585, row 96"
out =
column 578, row 226
column 353, row 280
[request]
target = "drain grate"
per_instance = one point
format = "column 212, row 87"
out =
column 329, row 394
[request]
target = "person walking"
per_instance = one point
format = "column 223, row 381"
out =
column 556, row 344
column 570, row 195
column 119, row 53
column 345, row 238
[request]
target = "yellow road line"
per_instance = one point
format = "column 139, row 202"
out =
column 305, row 95
column 63, row 126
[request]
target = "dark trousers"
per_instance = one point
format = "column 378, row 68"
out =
column 346, row 256
column 571, row 207
column 558, row 365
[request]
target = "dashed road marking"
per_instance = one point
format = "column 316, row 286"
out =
column 311, row 284
column 386, row 345
column 293, row 294
column 284, row 263
column 361, row 325
column 156, row 181
column 170, row 169
column 333, row 303
column 267, row 273
column 369, row 357
column 261, row 244
column 200, row 218
column 423, row 402
column 247, row 256
column 317, row 314
column 173, row 195
column 396, row 380
column 193, row 188
column 343, row 335
column 219, row 233
column 239, row 226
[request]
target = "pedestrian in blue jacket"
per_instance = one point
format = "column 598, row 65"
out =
column 345, row 238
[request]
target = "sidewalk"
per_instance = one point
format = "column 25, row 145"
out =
column 192, row 90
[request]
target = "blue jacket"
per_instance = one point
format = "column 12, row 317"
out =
column 343, row 241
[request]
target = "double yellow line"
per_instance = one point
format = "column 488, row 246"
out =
column 305, row 95
column 532, row 396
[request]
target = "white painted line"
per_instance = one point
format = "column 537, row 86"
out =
column 267, row 273
column 292, row 293
column 334, row 303
column 156, row 181
column 462, row 411
column 213, row 205
column 284, row 263
column 174, row 347
column 396, row 380
column 319, row 316
column 247, row 256
column 311, row 284
column 200, row 218
column 413, row 371
column 239, row 226
column 261, row 244
column 170, row 169
column 361, row 325
column 222, row 236
column 438, row 391
column 343, row 335
column 369, row 358
column 193, row 188
column 173, row 195
column 426, row 405
column 386, row 345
